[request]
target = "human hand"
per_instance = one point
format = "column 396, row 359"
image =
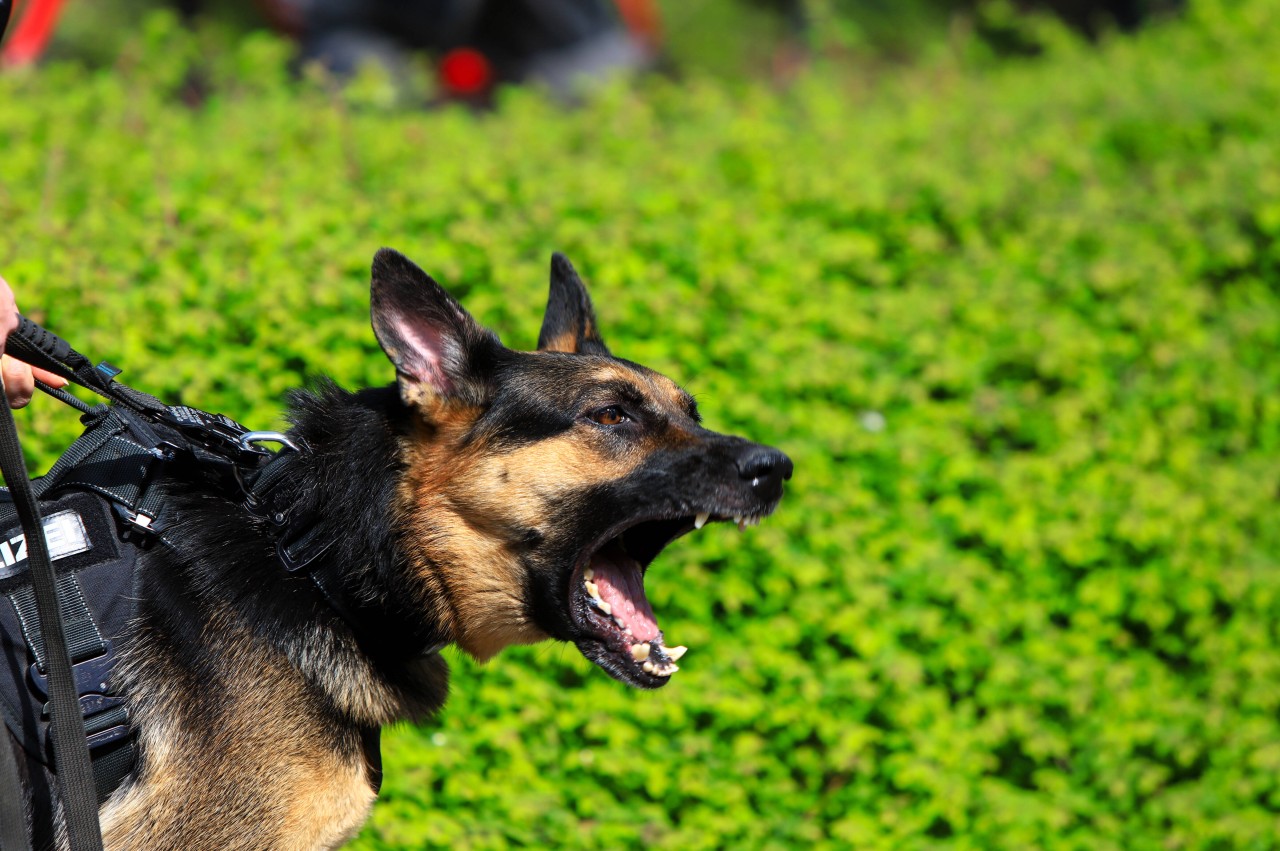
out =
column 19, row 378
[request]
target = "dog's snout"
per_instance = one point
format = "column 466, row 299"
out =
column 766, row 468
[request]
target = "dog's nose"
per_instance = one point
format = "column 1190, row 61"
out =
column 766, row 468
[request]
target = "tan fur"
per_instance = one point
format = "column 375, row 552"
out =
column 565, row 341
column 470, row 566
column 451, row 494
column 303, row 795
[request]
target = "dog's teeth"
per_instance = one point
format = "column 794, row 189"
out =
column 605, row 607
column 593, row 590
column 649, row 667
column 701, row 519
column 588, row 574
column 622, row 626
column 667, row 670
column 676, row 652
column 640, row 652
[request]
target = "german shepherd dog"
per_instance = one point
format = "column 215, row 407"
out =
column 489, row 497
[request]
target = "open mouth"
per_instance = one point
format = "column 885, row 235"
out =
column 607, row 599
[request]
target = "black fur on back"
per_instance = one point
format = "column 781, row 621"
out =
column 223, row 557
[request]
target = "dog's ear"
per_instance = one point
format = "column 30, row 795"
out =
column 438, row 349
column 569, row 324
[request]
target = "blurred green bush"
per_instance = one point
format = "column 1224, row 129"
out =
column 1019, row 327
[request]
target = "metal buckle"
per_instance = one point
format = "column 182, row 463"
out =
column 249, row 438
column 90, row 675
column 93, row 691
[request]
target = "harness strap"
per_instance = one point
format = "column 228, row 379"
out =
column 84, row 641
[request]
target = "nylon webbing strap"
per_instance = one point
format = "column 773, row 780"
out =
column 71, row 751
column 84, row 641
column 88, row 443
column 110, row 769
column 65, row 398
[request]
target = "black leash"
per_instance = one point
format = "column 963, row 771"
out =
column 71, row 751
column 13, row 822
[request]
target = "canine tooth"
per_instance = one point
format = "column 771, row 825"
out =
column 649, row 667
column 667, row 670
column 588, row 574
column 605, row 607
column 701, row 519
column 640, row 652
column 593, row 590
column 676, row 652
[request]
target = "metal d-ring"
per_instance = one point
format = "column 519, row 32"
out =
column 249, row 438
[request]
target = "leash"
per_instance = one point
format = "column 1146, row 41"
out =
column 75, row 773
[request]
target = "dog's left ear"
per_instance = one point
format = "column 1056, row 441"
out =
column 438, row 349
column 569, row 324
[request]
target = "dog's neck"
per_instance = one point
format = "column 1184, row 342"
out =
column 373, row 644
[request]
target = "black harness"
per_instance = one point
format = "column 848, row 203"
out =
column 102, row 506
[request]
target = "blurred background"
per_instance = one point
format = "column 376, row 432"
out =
column 1002, row 278
column 474, row 45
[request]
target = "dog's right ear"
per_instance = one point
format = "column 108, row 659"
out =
column 437, row 347
column 569, row 324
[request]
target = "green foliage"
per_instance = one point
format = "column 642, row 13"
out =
column 1018, row 328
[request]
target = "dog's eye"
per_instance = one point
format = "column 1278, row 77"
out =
column 609, row 416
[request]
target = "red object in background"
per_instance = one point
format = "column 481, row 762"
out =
column 465, row 72
column 643, row 19
column 31, row 34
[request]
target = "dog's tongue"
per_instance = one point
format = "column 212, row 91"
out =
column 621, row 585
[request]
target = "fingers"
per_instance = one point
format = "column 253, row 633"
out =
column 48, row 377
column 19, row 378
column 19, row 383
column 8, row 312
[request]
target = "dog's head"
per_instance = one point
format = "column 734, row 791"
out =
column 539, row 486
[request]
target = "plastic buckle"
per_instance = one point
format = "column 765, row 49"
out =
column 138, row 521
column 298, row 550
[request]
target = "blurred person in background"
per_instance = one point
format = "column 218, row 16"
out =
column 479, row 43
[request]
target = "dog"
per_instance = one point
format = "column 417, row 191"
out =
column 489, row 497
